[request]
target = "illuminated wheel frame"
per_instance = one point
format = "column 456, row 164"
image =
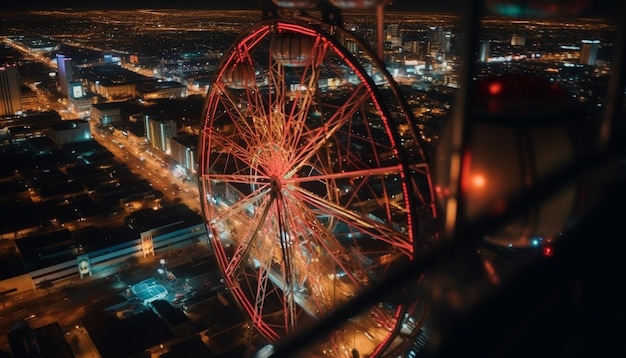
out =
column 312, row 180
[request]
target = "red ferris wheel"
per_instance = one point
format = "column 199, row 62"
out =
column 312, row 179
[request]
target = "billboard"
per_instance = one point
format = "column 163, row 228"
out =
column 84, row 266
column 76, row 90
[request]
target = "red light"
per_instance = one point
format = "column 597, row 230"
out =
column 547, row 251
column 495, row 88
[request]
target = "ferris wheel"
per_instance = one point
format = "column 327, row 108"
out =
column 312, row 179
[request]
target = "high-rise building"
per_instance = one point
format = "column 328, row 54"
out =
column 393, row 35
column 589, row 52
column 184, row 151
column 66, row 74
column 10, row 92
column 446, row 42
column 159, row 132
column 440, row 40
column 483, row 55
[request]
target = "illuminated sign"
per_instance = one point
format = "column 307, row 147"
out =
column 77, row 90
column 84, row 267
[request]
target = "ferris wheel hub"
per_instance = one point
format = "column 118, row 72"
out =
column 275, row 185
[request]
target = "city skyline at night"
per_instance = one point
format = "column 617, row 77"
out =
column 210, row 181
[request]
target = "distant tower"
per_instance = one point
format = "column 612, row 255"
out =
column 589, row 52
column 483, row 55
column 393, row 35
column 440, row 39
column 446, row 41
column 433, row 36
column 66, row 74
column 10, row 91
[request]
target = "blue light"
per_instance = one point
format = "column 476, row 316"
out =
column 535, row 242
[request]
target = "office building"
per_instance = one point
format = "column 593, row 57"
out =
column 589, row 52
column 184, row 150
column 69, row 131
column 393, row 35
column 440, row 40
column 159, row 132
column 66, row 74
column 10, row 94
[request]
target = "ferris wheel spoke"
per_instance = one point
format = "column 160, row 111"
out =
column 290, row 270
column 263, row 284
column 370, row 172
column 249, row 237
column 256, row 103
column 318, row 137
column 339, row 255
column 244, row 115
column 236, row 178
column 230, row 146
column 304, row 96
column 235, row 210
column 314, row 268
column 361, row 222
column 272, row 123
column 230, row 104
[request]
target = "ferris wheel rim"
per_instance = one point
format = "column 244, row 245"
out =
column 262, row 30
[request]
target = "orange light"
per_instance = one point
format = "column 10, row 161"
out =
column 495, row 88
column 478, row 181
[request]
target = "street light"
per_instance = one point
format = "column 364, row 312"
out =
column 162, row 270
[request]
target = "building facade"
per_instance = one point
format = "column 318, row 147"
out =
column 69, row 131
column 66, row 74
column 184, row 150
column 159, row 131
column 589, row 52
column 10, row 93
